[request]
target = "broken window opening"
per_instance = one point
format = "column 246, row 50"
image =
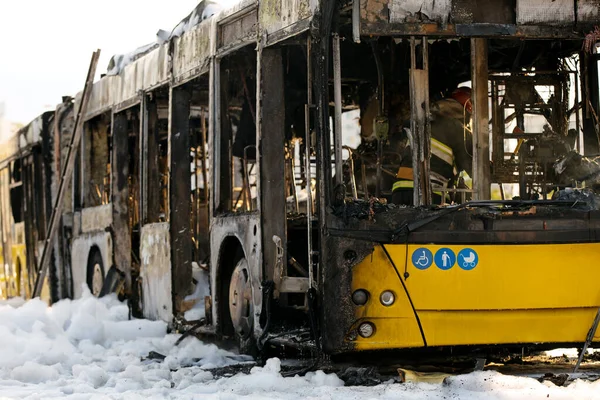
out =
column 156, row 159
column 237, row 134
column 96, row 151
column 17, row 199
column 133, row 183
column 199, row 164
column 549, row 112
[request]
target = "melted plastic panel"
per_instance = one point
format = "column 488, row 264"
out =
column 534, row 12
column 155, row 271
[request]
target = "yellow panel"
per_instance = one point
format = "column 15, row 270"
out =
column 376, row 274
column 3, row 294
column 517, row 326
column 514, row 294
column 506, row 277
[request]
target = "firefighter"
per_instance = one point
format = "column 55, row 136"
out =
column 451, row 149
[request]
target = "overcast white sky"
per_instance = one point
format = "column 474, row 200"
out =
column 46, row 45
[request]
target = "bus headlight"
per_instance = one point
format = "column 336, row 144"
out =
column 366, row 329
column 387, row 298
column 360, row 297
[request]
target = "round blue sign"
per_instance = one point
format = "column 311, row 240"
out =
column 445, row 258
column 467, row 259
column 422, row 258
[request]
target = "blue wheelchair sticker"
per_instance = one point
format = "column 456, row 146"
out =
column 422, row 258
column 445, row 258
column 467, row 259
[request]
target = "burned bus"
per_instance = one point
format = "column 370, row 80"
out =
column 355, row 175
column 25, row 179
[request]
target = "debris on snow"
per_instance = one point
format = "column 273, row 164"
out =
column 87, row 348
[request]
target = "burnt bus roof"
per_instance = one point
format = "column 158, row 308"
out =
column 24, row 140
column 520, row 18
column 184, row 57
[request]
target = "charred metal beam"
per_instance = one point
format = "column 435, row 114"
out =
column 222, row 143
column 481, row 135
column 272, row 156
column 319, row 64
column 179, row 194
column 152, row 180
column 337, row 116
column 419, row 124
column 119, row 196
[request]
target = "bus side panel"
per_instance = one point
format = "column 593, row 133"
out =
column 155, row 271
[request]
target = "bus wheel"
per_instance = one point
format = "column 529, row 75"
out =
column 241, row 308
column 95, row 272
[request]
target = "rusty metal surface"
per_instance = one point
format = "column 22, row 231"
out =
column 533, row 12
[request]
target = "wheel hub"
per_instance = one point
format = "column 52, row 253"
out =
column 240, row 300
column 97, row 280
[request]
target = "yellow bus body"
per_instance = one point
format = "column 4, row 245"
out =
column 543, row 293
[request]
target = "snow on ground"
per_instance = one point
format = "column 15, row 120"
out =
column 88, row 349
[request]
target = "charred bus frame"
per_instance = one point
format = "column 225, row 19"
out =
column 205, row 124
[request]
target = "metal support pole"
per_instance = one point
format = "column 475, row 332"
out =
column 307, row 173
column 356, row 21
column 481, row 135
column 337, row 98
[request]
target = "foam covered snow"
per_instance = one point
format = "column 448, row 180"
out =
column 89, row 349
column 201, row 290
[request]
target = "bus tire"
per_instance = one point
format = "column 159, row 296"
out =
column 241, row 308
column 95, row 272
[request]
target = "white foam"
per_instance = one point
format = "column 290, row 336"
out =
column 88, row 349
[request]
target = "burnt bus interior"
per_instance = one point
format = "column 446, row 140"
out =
column 536, row 115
